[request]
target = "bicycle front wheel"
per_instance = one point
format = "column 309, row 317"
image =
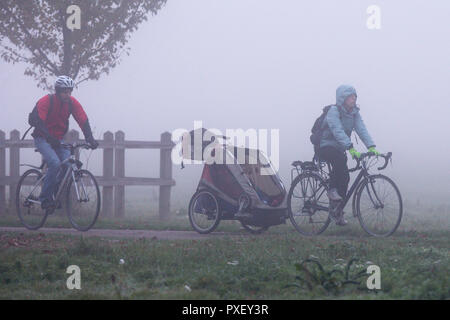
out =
column 28, row 205
column 379, row 206
column 83, row 200
column 308, row 204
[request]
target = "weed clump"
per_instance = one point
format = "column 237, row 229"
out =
column 316, row 277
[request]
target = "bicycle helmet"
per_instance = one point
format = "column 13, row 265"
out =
column 64, row 82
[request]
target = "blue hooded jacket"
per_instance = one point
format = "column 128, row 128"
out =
column 339, row 123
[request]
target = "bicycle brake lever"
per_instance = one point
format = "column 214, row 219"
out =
column 386, row 161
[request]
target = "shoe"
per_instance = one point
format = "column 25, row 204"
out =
column 333, row 195
column 47, row 204
column 341, row 221
column 338, row 217
column 333, row 206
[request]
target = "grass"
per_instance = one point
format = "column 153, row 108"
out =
column 140, row 217
column 33, row 266
column 414, row 262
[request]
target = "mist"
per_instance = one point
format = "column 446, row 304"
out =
column 265, row 65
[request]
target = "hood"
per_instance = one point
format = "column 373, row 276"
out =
column 343, row 92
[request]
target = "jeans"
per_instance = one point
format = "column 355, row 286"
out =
column 339, row 175
column 53, row 158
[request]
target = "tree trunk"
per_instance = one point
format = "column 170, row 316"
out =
column 67, row 38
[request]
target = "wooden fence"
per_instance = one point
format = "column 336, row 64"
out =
column 113, row 180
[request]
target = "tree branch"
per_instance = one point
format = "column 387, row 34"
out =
column 51, row 67
column 17, row 56
column 85, row 79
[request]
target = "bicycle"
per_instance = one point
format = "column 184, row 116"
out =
column 374, row 197
column 79, row 186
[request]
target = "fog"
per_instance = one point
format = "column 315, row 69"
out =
column 273, row 65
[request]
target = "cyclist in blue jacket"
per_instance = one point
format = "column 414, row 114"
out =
column 339, row 123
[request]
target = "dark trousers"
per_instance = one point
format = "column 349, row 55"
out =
column 339, row 176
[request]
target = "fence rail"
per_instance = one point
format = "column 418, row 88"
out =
column 113, row 180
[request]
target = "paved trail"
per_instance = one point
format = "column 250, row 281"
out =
column 153, row 234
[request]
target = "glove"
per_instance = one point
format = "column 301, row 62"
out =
column 92, row 142
column 55, row 143
column 354, row 153
column 372, row 149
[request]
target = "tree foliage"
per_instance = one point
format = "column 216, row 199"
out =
column 35, row 32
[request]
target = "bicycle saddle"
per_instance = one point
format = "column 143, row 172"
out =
column 308, row 165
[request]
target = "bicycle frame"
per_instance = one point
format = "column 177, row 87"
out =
column 34, row 188
column 363, row 174
column 69, row 176
column 73, row 165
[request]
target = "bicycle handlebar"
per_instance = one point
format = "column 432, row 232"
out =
column 386, row 158
column 76, row 145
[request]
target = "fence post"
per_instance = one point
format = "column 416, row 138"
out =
column 2, row 172
column 14, row 165
column 165, row 172
column 72, row 137
column 119, row 163
column 108, row 169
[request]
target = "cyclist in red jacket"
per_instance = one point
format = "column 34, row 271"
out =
column 51, row 116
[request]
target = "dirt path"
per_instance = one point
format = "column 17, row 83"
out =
column 152, row 234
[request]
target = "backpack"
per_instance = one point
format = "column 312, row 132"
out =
column 33, row 116
column 317, row 129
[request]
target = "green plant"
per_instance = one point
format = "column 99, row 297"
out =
column 332, row 281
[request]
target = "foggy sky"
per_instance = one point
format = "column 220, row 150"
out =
column 266, row 64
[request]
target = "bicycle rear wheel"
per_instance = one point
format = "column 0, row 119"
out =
column 379, row 206
column 28, row 205
column 308, row 204
column 83, row 200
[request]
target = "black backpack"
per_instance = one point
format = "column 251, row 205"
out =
column 317, row 129
column 33, row 116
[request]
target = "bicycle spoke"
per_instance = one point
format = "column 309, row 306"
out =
column 28, row 205
column 83, row 200
column 379, row 207
column 304, row 197
column 204, row 212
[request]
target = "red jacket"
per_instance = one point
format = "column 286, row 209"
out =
column 57, row 122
